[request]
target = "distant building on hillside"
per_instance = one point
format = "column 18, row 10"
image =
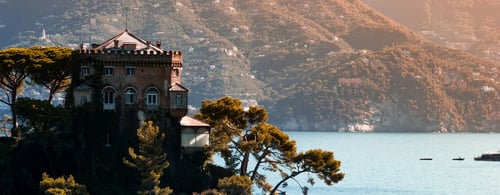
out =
column 42, row 40
column 135, row 80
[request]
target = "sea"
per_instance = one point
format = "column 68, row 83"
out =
column 389, row 163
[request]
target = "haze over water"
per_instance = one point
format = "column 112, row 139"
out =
column 388, row 163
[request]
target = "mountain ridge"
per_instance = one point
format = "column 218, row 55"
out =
column 317, row 65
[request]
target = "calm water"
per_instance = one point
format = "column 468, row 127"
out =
column 388, row 163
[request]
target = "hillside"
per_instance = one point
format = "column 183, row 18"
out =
column 469, row 25
column 315, row 65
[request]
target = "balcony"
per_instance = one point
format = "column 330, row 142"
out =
column 152, row 107
column 109, row 106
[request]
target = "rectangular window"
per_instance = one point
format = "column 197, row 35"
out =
column 130, row 71
column 176, row 73
column 190, row 138
column 152, row 99
column 83, row 100
column 85, row 71
column 178, row 99
column 129, row 46
column 108, row 71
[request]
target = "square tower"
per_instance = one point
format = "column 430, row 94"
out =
column 127, row 72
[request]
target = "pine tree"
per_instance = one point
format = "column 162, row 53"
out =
column 241, row 136
column 61, row 186
column 235, row 185
column 150, row 159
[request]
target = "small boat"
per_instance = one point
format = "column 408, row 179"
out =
column 495, row 156
column 459, row 158
column 425, row 158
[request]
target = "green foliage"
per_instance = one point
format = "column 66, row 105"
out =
column 150, row 159
column 211, row 192
column 233, row 136
column 235, row 185
column 55, row 73
column 322, row 163
column 39, row 115
column 61, row 186
column 48, row 66
column 16, row 64
column 271, row 148
column 239, row 135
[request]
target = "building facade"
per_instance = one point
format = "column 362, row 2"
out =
column 137, row 81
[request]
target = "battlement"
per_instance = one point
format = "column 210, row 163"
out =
column 120, row 56
column 129, row 52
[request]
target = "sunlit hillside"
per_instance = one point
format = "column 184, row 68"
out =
column 469, row 25
column 334, row 65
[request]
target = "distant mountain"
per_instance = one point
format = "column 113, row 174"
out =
column 469, row 25
column 334, row 65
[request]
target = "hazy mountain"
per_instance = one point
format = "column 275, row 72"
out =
column 469, row 25
column 315, row 65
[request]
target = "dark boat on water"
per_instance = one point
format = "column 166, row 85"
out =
column 425, row 158
column 459, row 158
column 495, row 156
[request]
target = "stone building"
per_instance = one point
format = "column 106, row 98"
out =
column 136, row 80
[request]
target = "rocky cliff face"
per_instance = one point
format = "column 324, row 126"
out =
column 389, row 117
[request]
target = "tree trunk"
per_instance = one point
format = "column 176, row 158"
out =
column 244, row 164
column 285, row 179
column 51, row 96
column 279, row 184
column 259, row 161
column 13, row 109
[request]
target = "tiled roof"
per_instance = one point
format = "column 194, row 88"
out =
column 177, row 87
column 187, row 121
column 125, row 38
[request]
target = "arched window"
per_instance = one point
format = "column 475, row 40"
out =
column 152, row 98
column 108, row 98
column 130, row 96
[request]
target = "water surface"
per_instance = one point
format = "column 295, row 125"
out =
column 388, row 163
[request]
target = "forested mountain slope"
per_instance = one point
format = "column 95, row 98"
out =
column 469, row 25
column 315, row 65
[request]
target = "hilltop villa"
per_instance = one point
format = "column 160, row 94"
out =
column 135, row 80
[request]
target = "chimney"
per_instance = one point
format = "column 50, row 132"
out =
column 158, row 44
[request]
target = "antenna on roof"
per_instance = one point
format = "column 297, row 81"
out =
column 90, row 27
column 126, row 18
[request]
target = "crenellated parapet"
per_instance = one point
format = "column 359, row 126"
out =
column 130, row 57
column 130, row 52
